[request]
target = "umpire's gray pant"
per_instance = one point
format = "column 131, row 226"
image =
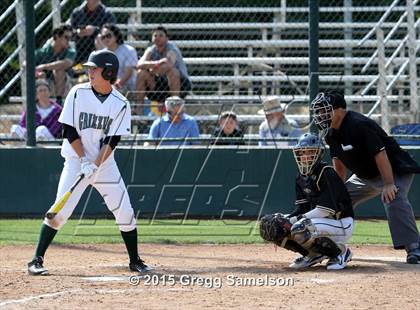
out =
column 401, row 221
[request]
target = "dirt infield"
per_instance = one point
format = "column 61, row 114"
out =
column 205, row 276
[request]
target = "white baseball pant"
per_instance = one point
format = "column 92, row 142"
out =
column 107, row 181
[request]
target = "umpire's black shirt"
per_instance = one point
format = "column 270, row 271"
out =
column 359, row 139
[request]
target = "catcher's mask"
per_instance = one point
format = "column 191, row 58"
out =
column 308, row 152
column 323, row 106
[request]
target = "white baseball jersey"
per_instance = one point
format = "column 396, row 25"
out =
column 94, row 120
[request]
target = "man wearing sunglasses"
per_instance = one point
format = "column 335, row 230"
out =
column 54, row 59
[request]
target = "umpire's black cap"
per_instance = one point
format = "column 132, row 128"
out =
column 104, row 59
column 336, row 99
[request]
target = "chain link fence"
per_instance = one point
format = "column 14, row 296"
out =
column 235, row 52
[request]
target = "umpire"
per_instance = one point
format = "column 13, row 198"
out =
column 378, row 164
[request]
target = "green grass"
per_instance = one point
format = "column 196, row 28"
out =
column 170, row 232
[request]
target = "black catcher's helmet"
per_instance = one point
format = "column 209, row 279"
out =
column 308, row 152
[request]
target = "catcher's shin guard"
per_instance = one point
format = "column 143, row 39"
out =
column 295, row 247
column 326, row 246
column 304, row 233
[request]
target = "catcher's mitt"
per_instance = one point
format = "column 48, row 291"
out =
column 275, row 227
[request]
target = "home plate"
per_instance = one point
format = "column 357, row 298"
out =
column 106, row 279
column 322, row 281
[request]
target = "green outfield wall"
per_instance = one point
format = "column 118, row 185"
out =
column 184, row 183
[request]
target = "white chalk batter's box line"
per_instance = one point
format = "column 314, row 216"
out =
column 83, row 291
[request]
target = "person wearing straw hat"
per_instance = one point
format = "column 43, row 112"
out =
column 276, row 124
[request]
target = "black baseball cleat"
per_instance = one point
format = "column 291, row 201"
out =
column 413, row 256
column 413, row 253
column 36, row 268
column 139, row 266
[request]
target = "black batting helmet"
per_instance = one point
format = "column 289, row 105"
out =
column 107, row 60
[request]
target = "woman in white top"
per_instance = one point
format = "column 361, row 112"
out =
column 111, row 38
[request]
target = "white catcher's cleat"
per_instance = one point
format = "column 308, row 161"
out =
column 340, row 262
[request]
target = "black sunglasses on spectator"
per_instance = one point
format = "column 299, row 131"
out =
column 107, row 36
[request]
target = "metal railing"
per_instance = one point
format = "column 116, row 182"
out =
column 17, row 5
column 234, row 10
column 384, row 64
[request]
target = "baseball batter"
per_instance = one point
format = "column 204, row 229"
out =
column 94, row 117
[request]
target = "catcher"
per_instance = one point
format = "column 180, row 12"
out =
column 322, row 222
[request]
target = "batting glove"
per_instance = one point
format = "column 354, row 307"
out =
column 87, row 168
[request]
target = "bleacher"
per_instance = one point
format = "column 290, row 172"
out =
column 238, row 54
column 244, row 48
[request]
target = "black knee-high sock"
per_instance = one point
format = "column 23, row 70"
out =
column 130, row 240
column 46, row 235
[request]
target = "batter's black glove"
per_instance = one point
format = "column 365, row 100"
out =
column 275, row 227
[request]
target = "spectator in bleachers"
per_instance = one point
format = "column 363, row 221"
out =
column 111, row 38
column 87, row 20
column 54, row 60
column 162, row 71
column 175, row 124
column 276, row 125
column 228, row 128
column 46, row 115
